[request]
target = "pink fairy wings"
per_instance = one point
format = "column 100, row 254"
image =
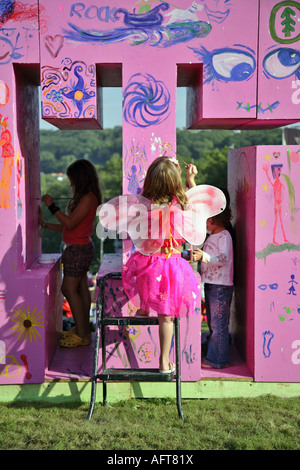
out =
column 131, row 214
column 149, row 225
column 204, row 201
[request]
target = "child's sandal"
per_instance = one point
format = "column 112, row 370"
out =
column 171, row 369
column 66, row 334
column 73, row 341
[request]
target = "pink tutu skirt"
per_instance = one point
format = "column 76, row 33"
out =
column 160, row 284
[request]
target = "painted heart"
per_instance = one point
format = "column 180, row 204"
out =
column 54, row 44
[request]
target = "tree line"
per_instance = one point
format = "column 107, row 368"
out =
column 207, row 149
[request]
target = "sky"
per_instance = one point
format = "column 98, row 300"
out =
column 112, row 106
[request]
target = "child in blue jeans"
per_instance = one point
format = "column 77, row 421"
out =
column 217, row 276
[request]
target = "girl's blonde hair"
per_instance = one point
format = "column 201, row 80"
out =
column 163, row 182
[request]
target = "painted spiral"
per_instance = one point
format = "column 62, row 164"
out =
column 145, row 101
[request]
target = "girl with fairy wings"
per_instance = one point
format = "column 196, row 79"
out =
column 158, row 222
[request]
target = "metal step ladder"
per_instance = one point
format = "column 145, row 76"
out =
column 127, row 375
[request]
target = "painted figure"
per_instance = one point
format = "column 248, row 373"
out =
column 278, row 189
column 8, row 156
column 292, row 288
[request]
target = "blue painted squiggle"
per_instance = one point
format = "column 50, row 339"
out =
column 6, row 10
column 158, row 36
column 150, row 19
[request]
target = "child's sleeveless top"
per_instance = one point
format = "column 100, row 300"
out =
column 81, row 235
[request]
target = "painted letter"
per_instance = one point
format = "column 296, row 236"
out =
column 296, row 354
column 87, row 15
column 76, row 8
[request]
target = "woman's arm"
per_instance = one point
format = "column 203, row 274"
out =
column 80, row 212
column 44, row 224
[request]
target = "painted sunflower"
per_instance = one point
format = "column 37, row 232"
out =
column 27, row 323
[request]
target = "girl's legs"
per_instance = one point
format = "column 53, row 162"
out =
column 75, row 291
column 85, row 295
column 218, row 298
column 165, row 338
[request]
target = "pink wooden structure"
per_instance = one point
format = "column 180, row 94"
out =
column 240, row 64
column 264, row 187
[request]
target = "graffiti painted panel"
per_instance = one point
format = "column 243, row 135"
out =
column 69, row 93
column 277, row 262
column 279, row 65
column 239, row 83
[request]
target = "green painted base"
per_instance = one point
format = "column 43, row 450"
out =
column 80, row 391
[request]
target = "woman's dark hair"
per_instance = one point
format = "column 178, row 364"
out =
column 84, row 178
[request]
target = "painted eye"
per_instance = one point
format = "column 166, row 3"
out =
column 282, row 63
column 233, row 66
column 226, row 64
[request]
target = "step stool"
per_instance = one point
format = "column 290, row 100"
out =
column 127, row 375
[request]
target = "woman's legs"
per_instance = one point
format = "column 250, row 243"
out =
column 165, row 338
column 75, row 290
column 85, row 295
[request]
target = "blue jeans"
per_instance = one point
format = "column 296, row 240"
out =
column 217, row 302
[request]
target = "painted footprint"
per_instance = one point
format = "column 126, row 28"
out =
column 268, row 336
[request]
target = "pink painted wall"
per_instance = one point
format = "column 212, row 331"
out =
column 267, row 310
column 29, row 289
column 73, row 49
column 241, row 186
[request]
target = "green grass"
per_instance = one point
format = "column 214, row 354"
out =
column 265, row 423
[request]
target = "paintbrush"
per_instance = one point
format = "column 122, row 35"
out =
column 177, row 155
column 56, row 198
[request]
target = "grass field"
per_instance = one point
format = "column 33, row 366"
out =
column 265, row 423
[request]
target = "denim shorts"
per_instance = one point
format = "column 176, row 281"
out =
column 76, row 259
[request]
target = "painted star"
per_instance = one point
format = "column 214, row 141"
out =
column 262, row 223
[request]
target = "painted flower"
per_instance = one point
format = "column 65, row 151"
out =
column 78, row 92
column 144, row 353
column 27, row 323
